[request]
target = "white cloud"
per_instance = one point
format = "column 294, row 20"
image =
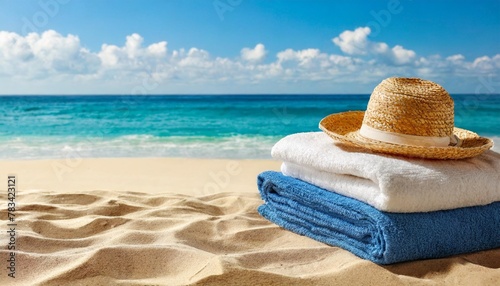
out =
column 353, row 42
column 256, row 54
column 44, row 54
column 402, row 56
column 456, row 58
column 357, row 43
column 132, row 55
column 303, row 57
column 52, row 62
column 158, row 49
column 133, row 45
column 486, row 63
column 14, row 46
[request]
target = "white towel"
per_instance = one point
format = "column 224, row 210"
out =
column 390, row 183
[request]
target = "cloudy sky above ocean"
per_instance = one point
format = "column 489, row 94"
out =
column 244, row 46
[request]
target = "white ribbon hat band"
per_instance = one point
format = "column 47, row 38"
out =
column 404, row 139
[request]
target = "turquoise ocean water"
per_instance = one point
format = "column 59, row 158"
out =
column 215, row 126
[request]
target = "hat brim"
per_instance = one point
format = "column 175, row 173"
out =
column 344, row 127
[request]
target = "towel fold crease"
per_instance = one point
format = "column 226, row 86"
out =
column 390, row 183
column 381, row 237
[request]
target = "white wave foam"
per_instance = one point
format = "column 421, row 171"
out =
column 237, row 146
column 138, row 146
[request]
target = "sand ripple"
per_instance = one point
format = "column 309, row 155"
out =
column 127, row 238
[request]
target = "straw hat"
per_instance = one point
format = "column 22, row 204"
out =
column 406, row 116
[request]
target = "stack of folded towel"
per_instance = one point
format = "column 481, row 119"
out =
column 383, row 208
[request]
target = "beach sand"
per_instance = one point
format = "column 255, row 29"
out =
column 168, row 221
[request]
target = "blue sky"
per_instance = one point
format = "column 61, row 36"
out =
column 244, row 46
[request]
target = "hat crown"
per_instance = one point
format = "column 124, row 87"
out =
column 410, row 106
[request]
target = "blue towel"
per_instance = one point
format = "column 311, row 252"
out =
column 381, row 237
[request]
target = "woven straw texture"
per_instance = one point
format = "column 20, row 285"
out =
column 410, row 106
column 406, row 106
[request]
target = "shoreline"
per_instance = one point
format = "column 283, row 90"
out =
column 191, row 176
column 251, row 148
